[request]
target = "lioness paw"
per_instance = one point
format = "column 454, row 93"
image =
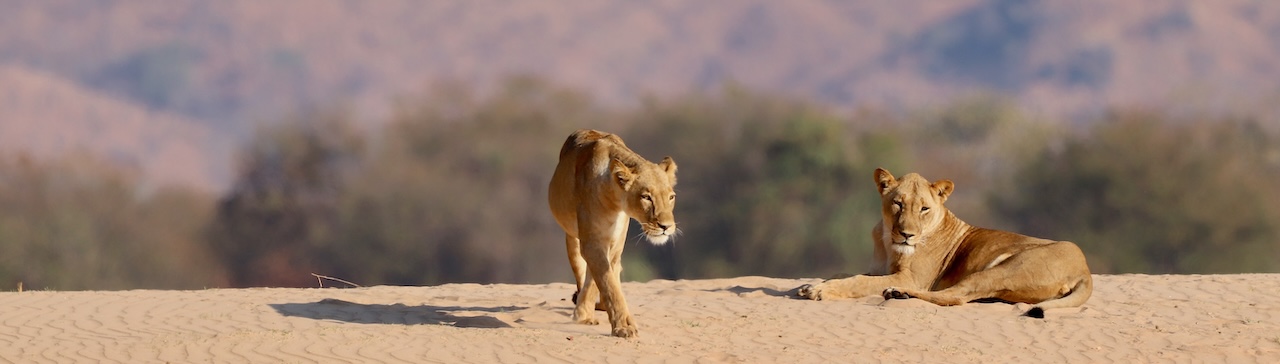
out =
column 625, row 327
column 893, row 293
column 810, row 291
column 625, row 331
column 585, row 319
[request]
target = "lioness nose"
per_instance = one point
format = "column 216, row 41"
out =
column 906, row 235
column 663, row 226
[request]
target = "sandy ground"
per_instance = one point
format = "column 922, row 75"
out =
column 1131, row 318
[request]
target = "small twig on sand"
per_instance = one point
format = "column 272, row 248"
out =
column 321, row 282
column 19, row 286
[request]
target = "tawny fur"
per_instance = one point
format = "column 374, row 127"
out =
column 598, row 184
column 924, row 251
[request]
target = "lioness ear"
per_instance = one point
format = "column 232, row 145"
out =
column 621, row 173
column 884, row 180
column 669, row 165
column 944, row 188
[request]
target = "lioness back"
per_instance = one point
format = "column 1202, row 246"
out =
column 578, row 151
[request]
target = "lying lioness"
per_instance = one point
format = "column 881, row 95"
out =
column 598, row 184
column 924, row 251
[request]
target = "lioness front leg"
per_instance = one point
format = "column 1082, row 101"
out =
column 852, row 287
column 609, row 282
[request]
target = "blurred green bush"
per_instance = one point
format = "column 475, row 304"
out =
column 1149, row 193
column 452, row 188
column 79, row 223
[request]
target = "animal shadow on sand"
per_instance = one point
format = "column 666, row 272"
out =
column 742, row 290
column 339, row 310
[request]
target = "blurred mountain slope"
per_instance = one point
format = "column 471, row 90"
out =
column 232, row 65
column 44, row 116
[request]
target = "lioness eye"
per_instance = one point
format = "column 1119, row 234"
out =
column 924, row 209
column 673, row 197
column 646, row 197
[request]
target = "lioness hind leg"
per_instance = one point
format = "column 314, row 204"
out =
column 583, row 299
column 989, row 283
column 574, row 298
column 940, row 298
column 995, row 282
column 1032, row 276
column 579, row 267
column 1020, row 278
column 576, row 263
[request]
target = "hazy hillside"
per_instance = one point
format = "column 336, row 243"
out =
column 45, row 116
column 230, row 65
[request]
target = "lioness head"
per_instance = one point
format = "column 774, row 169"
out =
column 911, row 208
column 650, row 196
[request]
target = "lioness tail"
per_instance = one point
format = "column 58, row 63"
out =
column 1079, row 294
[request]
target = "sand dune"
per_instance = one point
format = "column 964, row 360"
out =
column 1209, row 318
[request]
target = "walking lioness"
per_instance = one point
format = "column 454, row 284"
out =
column 598, row 184
column 924, row 251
